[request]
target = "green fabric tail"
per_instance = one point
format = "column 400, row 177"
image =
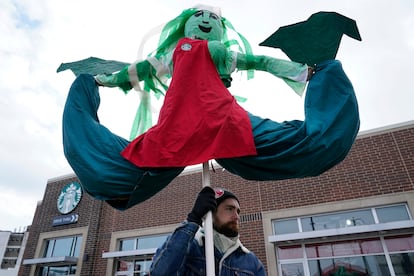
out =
column 143, row 117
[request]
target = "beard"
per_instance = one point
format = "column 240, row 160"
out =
column 229, row 229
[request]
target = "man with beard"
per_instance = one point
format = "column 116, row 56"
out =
column 184, row 254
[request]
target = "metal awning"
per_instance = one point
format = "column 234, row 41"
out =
column 63, row 260
column 129, row 253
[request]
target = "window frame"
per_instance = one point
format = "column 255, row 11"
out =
column 333, row 206
column 38, row 261
column 372, row 210
column 114, row 254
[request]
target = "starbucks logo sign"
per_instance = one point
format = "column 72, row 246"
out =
column 69, row 197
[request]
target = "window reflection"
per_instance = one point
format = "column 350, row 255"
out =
column 66, row 246
column 352, row 257
column 400, row 243
column 392, row 213
column 286, row 226
column 57, row 270
column 292, row 270
column 337, row 220
column 63, row 247
column 60, row 247
column 359, row 265
column 377, row 256
column 145, row 242
column 127, row 244
column 151, row 242
column 289, row 252
column 342, row 219
column 344, row 248
column 137, row 265
column 403, row 263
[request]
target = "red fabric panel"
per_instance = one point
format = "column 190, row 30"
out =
column 200, row 120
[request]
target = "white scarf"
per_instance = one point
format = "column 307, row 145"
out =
column 223, row 243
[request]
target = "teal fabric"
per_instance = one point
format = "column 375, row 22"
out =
column 314, row 40
column 296, row 149
column 93, row 152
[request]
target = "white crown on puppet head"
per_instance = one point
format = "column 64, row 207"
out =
column 215, row 10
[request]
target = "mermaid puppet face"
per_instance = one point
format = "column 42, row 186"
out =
column 204, row 25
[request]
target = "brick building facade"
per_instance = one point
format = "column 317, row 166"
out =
column 377, row 176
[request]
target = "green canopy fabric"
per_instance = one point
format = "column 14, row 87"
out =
column 314, row 40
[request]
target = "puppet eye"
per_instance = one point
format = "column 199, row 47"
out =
column 214, row 16
column 198, row 13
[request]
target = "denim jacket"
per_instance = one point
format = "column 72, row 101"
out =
column 184, row 254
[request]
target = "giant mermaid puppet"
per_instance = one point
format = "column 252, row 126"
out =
column 200, row 120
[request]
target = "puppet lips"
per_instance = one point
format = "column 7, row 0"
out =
column 204, row 29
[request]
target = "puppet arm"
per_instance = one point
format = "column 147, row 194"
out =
column 149, row 70
column 293, row 73
column 223, row 59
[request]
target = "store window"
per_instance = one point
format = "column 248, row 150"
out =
column 337, row 220
column 127, row 244
column 65, row 246
column 401, row 250
column 355, row 265
column 137, row 265
column 286, row 226
column 61, row 247
column 151, row 241
column 354, row 257
column 57, row 270
column 133, row 267
column 392, row 213
column 382, row 255
column 293, row 269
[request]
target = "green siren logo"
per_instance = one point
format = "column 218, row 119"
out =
column 69, row 197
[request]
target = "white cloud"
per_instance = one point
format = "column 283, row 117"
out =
column 14, row 207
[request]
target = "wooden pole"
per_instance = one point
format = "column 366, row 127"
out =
column 208, row 228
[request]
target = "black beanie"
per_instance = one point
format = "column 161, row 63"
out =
column 222, row 194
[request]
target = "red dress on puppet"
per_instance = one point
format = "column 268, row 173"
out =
column 199, row 120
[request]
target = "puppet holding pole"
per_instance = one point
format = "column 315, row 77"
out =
column 200, row 120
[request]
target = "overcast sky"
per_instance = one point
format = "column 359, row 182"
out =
column 36, row 36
